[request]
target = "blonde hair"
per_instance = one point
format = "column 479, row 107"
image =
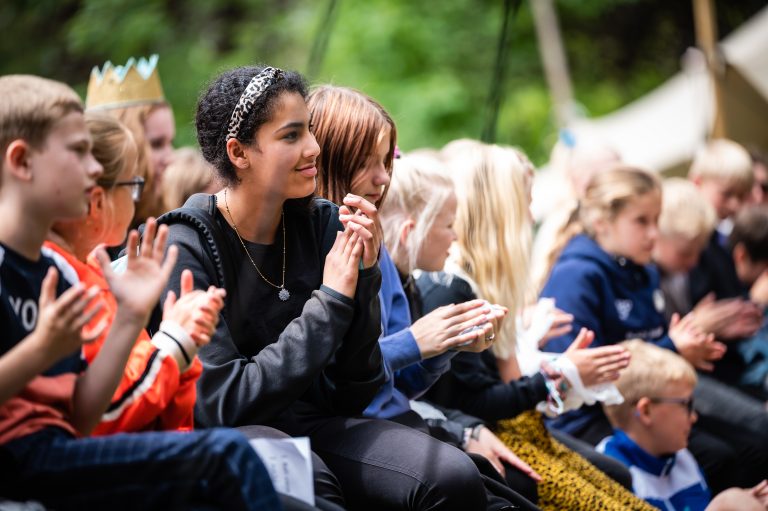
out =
column 113, row 147
column 724, row 159
column 30, row 108
column 134, row 118
column 651, row 370
column 607, row 194
column 684, row 211
column 419, row 187
column 492, row 225
column 189, row 173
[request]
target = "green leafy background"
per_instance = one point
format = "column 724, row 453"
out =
column 429, row 63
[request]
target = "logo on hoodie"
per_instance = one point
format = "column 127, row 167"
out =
column 624, row 308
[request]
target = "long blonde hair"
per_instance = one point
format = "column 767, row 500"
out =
column 607, row 194
column 493, row 226
column 420, row 186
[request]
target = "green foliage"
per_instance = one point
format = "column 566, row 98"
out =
column 429, row 63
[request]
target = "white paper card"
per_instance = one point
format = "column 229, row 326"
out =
column 289, row 463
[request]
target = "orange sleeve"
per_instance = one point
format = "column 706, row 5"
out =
column 179, row 414
column 152, row 395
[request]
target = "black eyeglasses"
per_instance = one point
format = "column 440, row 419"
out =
column 686, row 402
column 137, row 186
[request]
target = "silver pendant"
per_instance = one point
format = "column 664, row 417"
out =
column 283, row 294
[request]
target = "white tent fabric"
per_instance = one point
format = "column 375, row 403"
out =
column 665, row 127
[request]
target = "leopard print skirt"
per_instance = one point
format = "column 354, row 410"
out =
column 569, row 482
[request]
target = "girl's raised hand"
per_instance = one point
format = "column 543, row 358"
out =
column 698, row 348
column 148, row 267
column 596, row 365
column 441, row 329
column 341, row 263
column 562, row 323
column 196, row 311
column 365, row 222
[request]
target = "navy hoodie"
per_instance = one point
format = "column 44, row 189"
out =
column 612, row 296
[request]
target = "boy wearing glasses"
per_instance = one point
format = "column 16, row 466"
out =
column 651, row 429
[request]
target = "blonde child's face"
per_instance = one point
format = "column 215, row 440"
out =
column 434, row 250
column 64, row 168
column 669, row 420
column 633, row 232
column 725, row 197
column 678, row 254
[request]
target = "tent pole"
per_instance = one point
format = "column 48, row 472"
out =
column 553, row 59
column 706, row 38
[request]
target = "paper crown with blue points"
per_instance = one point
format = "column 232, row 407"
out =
column 135, row 83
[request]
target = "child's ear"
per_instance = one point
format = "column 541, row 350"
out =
column 642, row 411
column 97, row 204
column 236, row 153
column 598, row 225
column 16, row 159
column 405, row 230
column 739, row 253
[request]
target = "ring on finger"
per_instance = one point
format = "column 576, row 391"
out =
column 490, row 338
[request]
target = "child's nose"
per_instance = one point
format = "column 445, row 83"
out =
column 94, row 167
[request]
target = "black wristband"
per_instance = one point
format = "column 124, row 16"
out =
column 183, row 351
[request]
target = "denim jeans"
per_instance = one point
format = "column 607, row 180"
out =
column 210, row 469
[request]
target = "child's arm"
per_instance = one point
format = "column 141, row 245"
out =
column 136, row 290
column 157, row 389
column 59, row 332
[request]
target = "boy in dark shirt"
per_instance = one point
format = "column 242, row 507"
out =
column 47, row 173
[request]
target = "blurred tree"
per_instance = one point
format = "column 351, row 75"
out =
column 430, row 64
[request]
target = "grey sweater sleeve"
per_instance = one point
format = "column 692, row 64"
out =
column 236, row 390
column 357, row 370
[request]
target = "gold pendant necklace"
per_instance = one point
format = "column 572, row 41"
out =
column 283, row 293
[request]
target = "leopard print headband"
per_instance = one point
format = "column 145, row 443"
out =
column 256, row 88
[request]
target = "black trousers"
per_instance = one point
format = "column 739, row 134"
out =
column 383, row 465
column 328, row 494
column 514, row 488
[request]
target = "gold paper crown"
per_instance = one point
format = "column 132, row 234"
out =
column 135, row 83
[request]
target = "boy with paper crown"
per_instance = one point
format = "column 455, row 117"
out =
column 48, row 172
column 134, row 95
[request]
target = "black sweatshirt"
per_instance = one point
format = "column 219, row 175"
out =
column 474, row 384
column 317, row 351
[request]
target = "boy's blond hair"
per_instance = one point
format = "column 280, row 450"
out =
column 685, row 213
column 31, row 106
column 651, row 370
column 725, row 160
